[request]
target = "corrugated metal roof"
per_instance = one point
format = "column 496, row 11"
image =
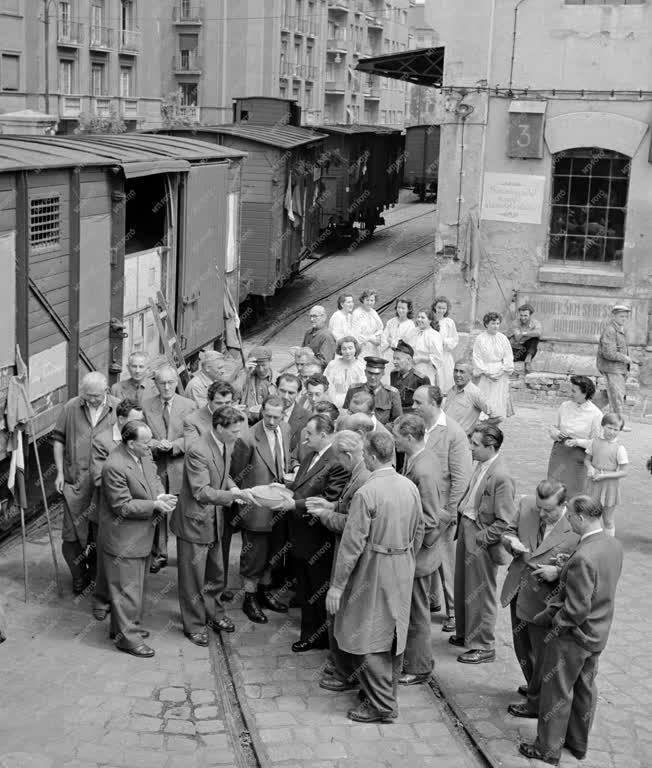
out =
column 136, row 154
column 282, row 136
column 423, row 66
column 350, row 128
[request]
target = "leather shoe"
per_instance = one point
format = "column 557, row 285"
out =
column 252, row 610
column 448, row 625
column 366, row 714
column 198, row 638
column 329, row 669
column 434, row 607
column 142, row 651
column 268, row 600
column 227, row 596
column 337, row 685
column 99, row 614
column 142, row 632
column 79, row 585
column 522, row 690
column 477, row 656
column 408, row 679
column 221, row 625
column 530, row 751
column 577, row 754
column 301, row 646
column 455, row 640
column 521, row 710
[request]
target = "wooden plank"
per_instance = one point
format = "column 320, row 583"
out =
column 59, row 252
column 73, row 290
column 22, row 266
column 7, row 199
column 8, row 220
column 94, row 206
column 118, row 226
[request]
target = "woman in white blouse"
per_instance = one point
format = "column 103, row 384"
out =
column 578, row 422
column 442, row 307
column 344, row 371
column 427, row 345
column 367, row 325
column 400, row 326
column 340, row 324
column 493, row 361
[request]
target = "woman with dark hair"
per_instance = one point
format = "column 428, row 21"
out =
column 400, row 326
column 441, row 306
column 493, row 361
column 367, row 326
column 578, row 422
column 340, row 323
column 426, row 342
column 345, row 370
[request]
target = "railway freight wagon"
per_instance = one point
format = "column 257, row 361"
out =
column 280, row 218
column 92, row 227
column 421, row 170
column 361, row 176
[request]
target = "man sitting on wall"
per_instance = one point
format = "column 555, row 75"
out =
column 524, row 335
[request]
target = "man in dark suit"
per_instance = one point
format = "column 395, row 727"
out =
column 261, row 458
column 539, row 533
column 319, row 474
column 387, row 401
column 132, row 498
column 409, row 436
column 581, row 615
column 165, row 414
column 288, row 387
column 485, row 512
column 197, row 524
column 404, row 377
column 200, row 421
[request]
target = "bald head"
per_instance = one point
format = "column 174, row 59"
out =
column 318, row 316
column 348, row 447
column 361, row 423
column 93, row 389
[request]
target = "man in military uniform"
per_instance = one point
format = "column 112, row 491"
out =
column 387, row 401
column 404, row 377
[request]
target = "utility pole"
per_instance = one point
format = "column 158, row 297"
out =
column 46, row 4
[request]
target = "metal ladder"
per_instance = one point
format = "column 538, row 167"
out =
column 169, row 340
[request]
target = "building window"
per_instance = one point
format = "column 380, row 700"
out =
column 282, row 91
column 98, row 79
column 10, row 72
column 65, row 19
column 296, row 90
column 97, row 22
column 44, row 222
column 126, row 82
column 308, row 98
column 126, row 16
column 66, row 76
column 589, row 203
column 188, row 94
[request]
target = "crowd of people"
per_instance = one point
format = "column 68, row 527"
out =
column 368, row 494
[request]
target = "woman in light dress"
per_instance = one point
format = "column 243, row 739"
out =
column 344, row 371
column 340, row 324
column 428, row 347
column 401, row 325
column 493, row 361
column 442, row 307
column 367, row 325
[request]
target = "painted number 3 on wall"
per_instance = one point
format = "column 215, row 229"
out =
column 524, row 139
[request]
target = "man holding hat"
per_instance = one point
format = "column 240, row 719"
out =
column 613, row 360
column 404, row 377
column 258, row 384
column 387, row 401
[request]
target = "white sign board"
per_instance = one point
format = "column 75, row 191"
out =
column 513, row 197
column 47, row 370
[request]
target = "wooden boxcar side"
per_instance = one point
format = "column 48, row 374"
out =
column 422, row 158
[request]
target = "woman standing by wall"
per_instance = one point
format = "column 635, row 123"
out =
column 340, row 323
column 367, row 325
column 493, row 361
column 442, row 307
column 428, row 347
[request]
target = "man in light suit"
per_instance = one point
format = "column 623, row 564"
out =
column 261, row 458
column 132, row 497
column 197, row 524
column 320, row 474
column 485, row 512
column 581, row 616
column 453, row 467
column 165, row 414
column 409, row 436
column 538, row 535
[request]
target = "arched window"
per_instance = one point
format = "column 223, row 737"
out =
column 588, row 206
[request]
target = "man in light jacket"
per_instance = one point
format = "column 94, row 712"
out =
column 613, row 360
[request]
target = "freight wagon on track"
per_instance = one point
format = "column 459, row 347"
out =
column 422, row 160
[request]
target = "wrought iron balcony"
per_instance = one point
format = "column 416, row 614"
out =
column 187, row 63
column 70, row 33
column 185, row 13
column 334, row 86
column 130, row 40
column 101, row 38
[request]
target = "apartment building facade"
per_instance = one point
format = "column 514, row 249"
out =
column 74, row 59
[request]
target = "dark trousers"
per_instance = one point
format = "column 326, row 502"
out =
column 201, row 582
column 225, row 541
column 526, row 349
column 279, row 551
column 521, row 640
column 568, row 696
column 160, row 545
column 537, row 636
column 75, row 556
column 417, row 659
column 444, row 576
column 254, row 557
column 378, row 675
column 126, row 584
column 101, row 592
column 313, row 579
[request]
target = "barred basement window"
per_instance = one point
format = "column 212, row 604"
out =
column 44, row 222
column 589, row 204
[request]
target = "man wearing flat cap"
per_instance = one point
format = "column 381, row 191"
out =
column 524, row 334
column 387, row 401
column 613, row 360
column 259, row 382
column 404, row 377
column 211, row 368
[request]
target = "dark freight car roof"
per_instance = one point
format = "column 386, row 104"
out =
column 423, row 66
column 351, row 128
column 282, row 136
column 136, row 154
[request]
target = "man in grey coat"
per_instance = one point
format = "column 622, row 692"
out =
column 613, row 360
column 371, row 587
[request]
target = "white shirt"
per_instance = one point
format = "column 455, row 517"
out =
column 469, row 507
column 551, row 526
column 94, row 413
column 441, row 422
column 271, row 435
column 590, row 533
column 318, row 456
column 288, row 413
column 117, row 433
column 219, row 444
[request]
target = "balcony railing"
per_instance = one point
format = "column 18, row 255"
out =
column 290, row 69
column 374, row 22
column 101, row 106
column 188, row 112
column 70, row 106
column 129, row 40
column 338, row 5
column 334, row 86
column 129, row 108
column 310, row 72
column 337, row 43
column 101, row 37
column 70, row 32
column 187, row 63
column 184, row 13
column 371, row 87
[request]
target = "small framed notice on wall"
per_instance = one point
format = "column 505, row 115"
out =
column 525, row 129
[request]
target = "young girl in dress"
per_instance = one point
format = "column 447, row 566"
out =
column 606, row 462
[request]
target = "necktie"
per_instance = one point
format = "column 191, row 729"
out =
column 166, row 417
column 540, row 534
column 278, row 459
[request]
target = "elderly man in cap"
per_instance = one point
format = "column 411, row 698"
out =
column 404, row 377
column 259, row 382
column 387, row 401
column 319, row 339
column 464, row 402
column 211, row 368
column 613, row 360
column 524, row 334
column 139, row 386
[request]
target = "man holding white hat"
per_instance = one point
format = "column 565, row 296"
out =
column 613, row 360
